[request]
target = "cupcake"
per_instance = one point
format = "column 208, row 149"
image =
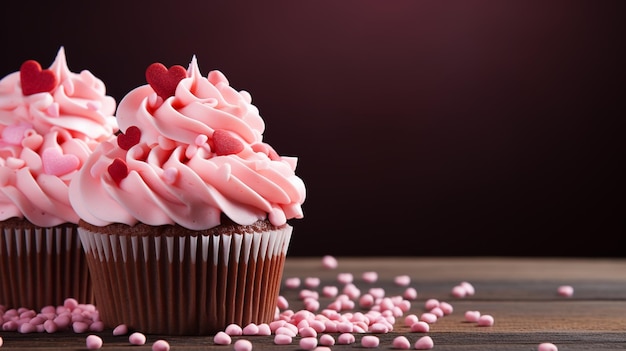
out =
column 50, row 121
column 184, row 216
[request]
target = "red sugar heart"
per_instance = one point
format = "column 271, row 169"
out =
column 118, row 170
column 163, row 80
column 130, row 138
column 225, row 144
column 35, row 80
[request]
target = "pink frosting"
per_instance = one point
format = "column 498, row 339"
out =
column 45, row 138
column 176, row 172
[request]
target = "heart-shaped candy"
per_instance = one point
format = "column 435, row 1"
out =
column 130, row 138
column 225, row 144
column 163, row 80
column 35, row 80
column 118, row 170
column 56, row 163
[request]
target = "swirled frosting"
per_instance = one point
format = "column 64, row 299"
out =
column 187, row 159
column 45, row 137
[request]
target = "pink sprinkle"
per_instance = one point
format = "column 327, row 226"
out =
column 370, row 341
column 329, row 262
column 401, row 342
column 312, row 282
column 243, row 345
column 137, row 338
column 437, row 312
column 379, row 328
column 402, row 280
column 345, row 339
column 96, row 326
column 27, row 328
column 80, row 327
column 370, row 277
column 472, row 316
column 307, row 332
column 565, row 290
column 428, row 317
column 424, row 343
column 485, row 320
column 351, row 291
column 264, row 329
column 160, row 345
column 327, row 340
column 547, row 346
column 431, row 303
column 420, row 327
column 469, row 288
column 233, row 330
column 1, row 341
column 292, row 283
column 446, row 308
column 285, row 331
column 282, row 339
column 282, row 302
column 308, row 343
column 250, row 329
column 459, row 291
column 50, row 327
column 222, row 338
column 410, row 294
column 93, row 342
column 410, row 320
column 121, row 329
column 330, row 291
column 322, row 348
column 345, row 278
column 70, row 304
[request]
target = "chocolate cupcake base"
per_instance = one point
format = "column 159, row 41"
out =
column 41, row 266
column 191, row 283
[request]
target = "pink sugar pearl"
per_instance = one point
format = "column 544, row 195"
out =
column 233, row 330
column 222, row 338
column 370, row 341
column 242, row 345
column 565, row 291
column 137, row 338
column 308, row 343
column 424, row 343
column 93, row 342
column 420, row 327
column 160, row 345
column 327, row 340
column 282, row 339
column 472, row 316
column 401, row 342
column 121, row 329
column 329, row 262
column 345, row 278
column 402, row 280
column 292, row 283
column 370, row 277
column 345, row 339
column 547, row 346
column 485, row 320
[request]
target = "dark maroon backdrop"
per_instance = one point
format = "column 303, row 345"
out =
column 422, row 127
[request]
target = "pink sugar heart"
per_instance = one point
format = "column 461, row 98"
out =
column 35, row 80
column 226, row 144
column 130, row 138
column 56, row 163
column 14, row 134
column 118, row 170
column 164, row 80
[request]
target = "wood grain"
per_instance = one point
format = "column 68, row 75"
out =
column 519, row 292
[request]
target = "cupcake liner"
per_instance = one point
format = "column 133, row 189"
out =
column 186, row 285
column 42, row 266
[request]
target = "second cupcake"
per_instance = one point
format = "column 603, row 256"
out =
column 184, row 216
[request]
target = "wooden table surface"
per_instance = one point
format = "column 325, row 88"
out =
column 520, row 293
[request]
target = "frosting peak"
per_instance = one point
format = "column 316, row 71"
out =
column 50, row 121
column 187, row 154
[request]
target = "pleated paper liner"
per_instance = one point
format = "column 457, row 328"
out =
column 42, row 266
column 187, row 285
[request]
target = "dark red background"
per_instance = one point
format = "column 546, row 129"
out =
column 421, row 127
